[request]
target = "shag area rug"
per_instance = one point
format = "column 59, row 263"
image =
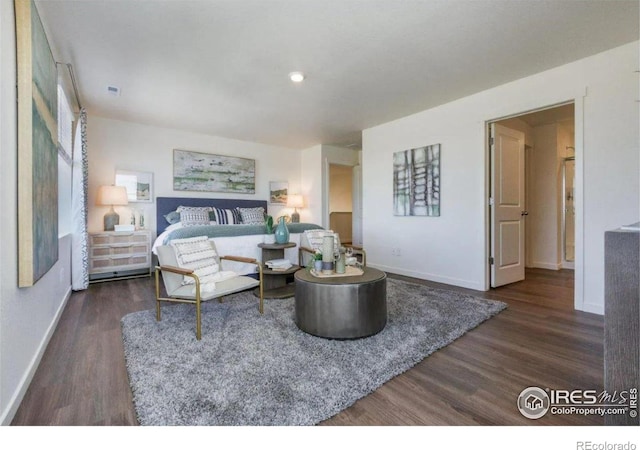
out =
column 262, row 370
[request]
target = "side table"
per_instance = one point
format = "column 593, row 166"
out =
column 276, row 282
column 119, row 254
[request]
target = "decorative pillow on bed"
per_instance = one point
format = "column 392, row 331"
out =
column 191, row 215
column 252, row 216
column 227, row 216
column 173, row 217
column 199, row 255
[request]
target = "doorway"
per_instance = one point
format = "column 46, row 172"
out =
column 532, row 232
column 341, row 195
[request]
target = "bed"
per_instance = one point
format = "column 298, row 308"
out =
column 230, row 239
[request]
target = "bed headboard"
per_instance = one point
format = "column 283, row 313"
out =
column 164, row 205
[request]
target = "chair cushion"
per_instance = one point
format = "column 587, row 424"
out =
column 198, row 254
column 237, row 284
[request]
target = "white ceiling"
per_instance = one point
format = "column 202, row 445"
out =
column 551, row 115
column 220, row 66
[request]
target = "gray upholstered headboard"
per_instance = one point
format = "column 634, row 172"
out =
column 165, row 205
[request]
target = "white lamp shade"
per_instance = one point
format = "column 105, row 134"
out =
column 295, row 201
column 112, row 196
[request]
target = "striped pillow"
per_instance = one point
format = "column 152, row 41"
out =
column 199, row 255
column 252, row 216
column 227, row 216
column 193, row 215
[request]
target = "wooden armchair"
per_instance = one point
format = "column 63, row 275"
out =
column 178, row 292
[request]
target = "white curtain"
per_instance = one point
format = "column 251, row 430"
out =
column 79, row 248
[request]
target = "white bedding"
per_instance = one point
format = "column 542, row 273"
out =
column 246, row 246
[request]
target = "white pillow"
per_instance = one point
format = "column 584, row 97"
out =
column 197, row 254
column 193, row 215
column 252, row 216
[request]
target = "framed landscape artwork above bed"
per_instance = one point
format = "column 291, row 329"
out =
column 195, row 171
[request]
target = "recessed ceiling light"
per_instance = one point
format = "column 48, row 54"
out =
column 113, row 90
column 296, row 77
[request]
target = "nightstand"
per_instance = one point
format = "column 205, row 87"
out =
column 276, row 282
column 119, row 254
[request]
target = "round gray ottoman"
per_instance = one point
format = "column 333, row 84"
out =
column 341, row 307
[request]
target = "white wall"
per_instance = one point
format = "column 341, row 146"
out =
column 311, row 184
column 543, row 220
column 28, row 316
column 114, row 144
column 452, row 248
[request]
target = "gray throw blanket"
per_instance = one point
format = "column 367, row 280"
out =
column 213, row 231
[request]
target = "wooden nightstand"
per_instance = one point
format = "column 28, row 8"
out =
column 275, row 282
column 119, row 254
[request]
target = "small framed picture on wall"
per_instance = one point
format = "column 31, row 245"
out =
column 139, row 185
column 278, row 191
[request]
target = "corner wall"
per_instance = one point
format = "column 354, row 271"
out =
column 28, row 316
column 452, row 248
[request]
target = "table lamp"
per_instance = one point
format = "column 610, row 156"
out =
column 295, row 201
column 111, row 196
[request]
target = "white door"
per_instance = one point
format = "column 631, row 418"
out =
column 508, row 207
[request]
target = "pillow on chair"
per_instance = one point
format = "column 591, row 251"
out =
column 199, row 255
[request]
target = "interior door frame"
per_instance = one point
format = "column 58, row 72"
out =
column 578, row 102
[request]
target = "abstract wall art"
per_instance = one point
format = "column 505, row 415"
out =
column 37, row 147
column 416, row 181
column 194, row 171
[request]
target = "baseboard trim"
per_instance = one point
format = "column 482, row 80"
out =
column 14, row 403
column 543, row 265
column 592, row 308
column 431, row 277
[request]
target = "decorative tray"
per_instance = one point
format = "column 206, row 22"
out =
column 350, row 271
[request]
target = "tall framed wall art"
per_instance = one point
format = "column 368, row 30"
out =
column 416, row 181
column 37, row 147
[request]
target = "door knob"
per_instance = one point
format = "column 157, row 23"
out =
column 524, row 213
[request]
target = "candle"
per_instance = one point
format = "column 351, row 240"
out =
column 327, row 249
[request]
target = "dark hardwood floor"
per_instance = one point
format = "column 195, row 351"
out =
column 537, row 341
